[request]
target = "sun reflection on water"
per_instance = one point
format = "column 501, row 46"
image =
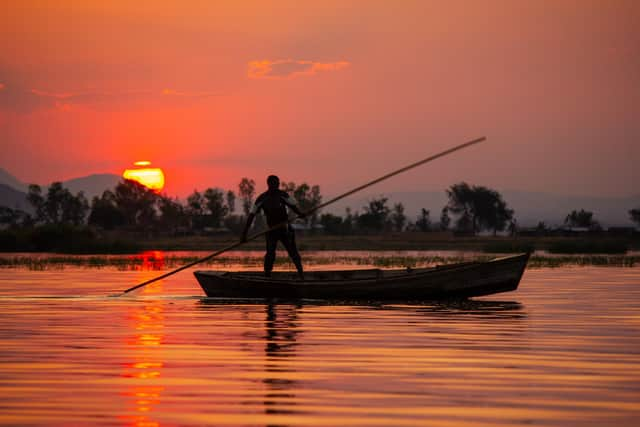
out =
column 143, row 374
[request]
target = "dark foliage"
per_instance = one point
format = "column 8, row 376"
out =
column 479, row 208
column 581, row 218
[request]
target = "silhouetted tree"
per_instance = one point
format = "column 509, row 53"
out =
column 34, row 197
column 332, row 224
column 398, row 218
column 195, row 209
column 445, row 220
column 348, row 222
column 137, row 203
column 74, row 208
column 231, row 201
column 307, row 198
column 235, row 223
column 216, row 209
column 580, row 218
column 172, row 214
column 14, row 217
column 247, row 191
column 424, row 222
column 60, row 206
column 478, row 207
column 53, row 203
column 105, row 213
column 375, row 216
column 634, row 214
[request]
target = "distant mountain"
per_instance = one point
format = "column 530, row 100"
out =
column 14, row 199
column 11, row 181
column 91, row 185
column 529, row 207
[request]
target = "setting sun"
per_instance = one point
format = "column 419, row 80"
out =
column 152, row 178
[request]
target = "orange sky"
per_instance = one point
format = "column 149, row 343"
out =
column 330, row 92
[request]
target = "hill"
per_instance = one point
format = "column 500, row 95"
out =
column 92, row 185
column 11, row 181
column 14, row 199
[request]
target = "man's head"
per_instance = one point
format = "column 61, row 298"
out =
column 273, row 182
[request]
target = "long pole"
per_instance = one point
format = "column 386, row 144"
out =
column 311, row 211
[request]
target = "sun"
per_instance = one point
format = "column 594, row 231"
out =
column 152, row 178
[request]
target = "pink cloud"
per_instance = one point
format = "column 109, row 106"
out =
column 25, row 100
column 290, row 68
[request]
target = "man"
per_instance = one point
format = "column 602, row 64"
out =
column 274, row 203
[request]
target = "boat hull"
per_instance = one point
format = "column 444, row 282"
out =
column 463, row 280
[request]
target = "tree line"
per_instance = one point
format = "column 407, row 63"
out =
column 131, row 206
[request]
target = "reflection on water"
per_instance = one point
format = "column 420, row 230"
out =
column 280, row 342
column 562, row 350
column 144, row 383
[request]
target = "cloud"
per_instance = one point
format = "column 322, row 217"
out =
column 290, row 68
column 171, row 92
column 21, row 99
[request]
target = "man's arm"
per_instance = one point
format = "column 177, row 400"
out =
column 298, row 211
column 293, row 205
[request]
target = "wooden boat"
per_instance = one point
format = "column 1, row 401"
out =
column 462, row 280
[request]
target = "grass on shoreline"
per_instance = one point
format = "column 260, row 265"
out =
column 167, row 262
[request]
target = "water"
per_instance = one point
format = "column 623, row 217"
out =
column 563, row 350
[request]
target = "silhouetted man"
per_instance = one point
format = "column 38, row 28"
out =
column 274, row 203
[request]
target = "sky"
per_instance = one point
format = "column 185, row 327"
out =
column 333, row 93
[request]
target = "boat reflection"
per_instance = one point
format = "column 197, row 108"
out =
column 484, row 308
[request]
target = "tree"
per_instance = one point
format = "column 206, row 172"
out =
column 478, row 208
column 105, row 212
column 231, row 201
column 247, row 191
column 347, row 223
column 634, row 214
column 195, row 209
column 214, row 202
column 580, row 218
column 14, row 217
column 307, row 198
column 53, row 204
column 423, row 223
column 74, row 208
column 137, row 204
column 172, row 213
column 34, row 197
column 375, row 216
column 332, row 224
column 398, row 218
column 445, row 220
column 60, row 206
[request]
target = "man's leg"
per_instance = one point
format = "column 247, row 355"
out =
column 270, row 256
column 289, row 243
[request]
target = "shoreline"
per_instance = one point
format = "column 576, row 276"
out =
column 238, row 260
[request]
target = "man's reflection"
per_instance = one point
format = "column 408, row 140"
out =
column 281, row 331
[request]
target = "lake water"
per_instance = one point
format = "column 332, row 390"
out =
column 563, row 350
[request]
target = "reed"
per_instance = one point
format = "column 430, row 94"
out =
column 315, row 261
